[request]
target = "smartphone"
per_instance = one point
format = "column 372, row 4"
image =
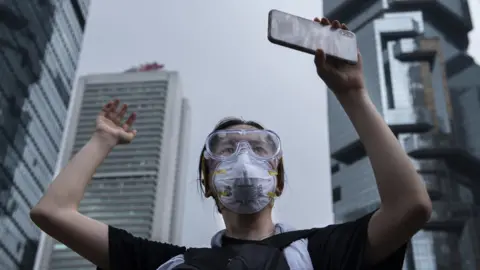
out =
column 307, row 36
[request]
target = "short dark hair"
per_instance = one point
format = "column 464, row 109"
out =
column 203, row 170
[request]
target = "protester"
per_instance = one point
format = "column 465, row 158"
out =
column 241, row 168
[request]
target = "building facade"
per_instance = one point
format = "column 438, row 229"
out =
column 40, row 43
column 181, row 175
column 137, row 186
column 424, row 84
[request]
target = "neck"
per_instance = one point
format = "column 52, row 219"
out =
column 249, row 227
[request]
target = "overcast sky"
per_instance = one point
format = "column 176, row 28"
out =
column 228, row 68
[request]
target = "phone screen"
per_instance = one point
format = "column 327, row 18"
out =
column 308, row 36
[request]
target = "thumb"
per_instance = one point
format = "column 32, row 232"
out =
column 320, row 59
column 359, row 58
column 129, row 135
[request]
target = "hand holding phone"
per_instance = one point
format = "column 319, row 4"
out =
column 308, row 36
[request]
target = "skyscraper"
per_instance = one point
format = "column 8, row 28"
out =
column 40, row 43
column 137, row 186
column 423, row 83
column 178, row 209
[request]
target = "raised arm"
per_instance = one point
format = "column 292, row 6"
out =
column 56, row 212
column 405, row 204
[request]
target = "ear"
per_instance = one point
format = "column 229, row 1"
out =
column 280, row 178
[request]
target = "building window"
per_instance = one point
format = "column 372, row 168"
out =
column 337, row 194
column 334, row 169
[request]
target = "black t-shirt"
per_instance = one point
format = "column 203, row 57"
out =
column 335, row 247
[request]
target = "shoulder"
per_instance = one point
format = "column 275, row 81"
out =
column 342, row 246
column 349, row 238
column 119, row 236
column 127, row 251
column 321, row 238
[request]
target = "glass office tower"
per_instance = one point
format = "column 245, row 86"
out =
column 427, row 89
column 39, row 47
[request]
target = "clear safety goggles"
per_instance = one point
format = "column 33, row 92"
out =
column 224, row 144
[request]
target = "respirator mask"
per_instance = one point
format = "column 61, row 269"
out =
column 244, row 179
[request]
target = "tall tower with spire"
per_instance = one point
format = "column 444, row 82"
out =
column 423, row 83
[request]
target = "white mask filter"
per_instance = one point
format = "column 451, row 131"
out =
column 245, row 185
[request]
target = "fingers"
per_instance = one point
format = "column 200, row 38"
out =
column 335, row 24
column 122, row 112
column 115, row 105
column 112, row 114
column 107, row 108
column 323, row 21
column 128, row 124
column 111, row 111
column 321, row 59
